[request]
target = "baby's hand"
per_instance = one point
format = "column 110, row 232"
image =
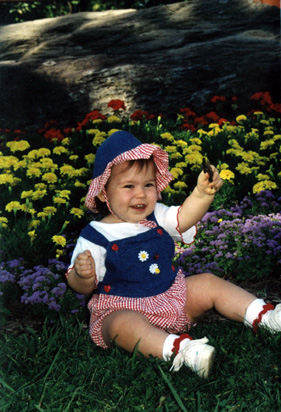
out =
column 205, row 186
column 85, row 265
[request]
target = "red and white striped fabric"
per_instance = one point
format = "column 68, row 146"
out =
column 143, row 151
column 165, row 311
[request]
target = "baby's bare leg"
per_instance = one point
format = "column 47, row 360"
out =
column 207, row 291
column 129, row 328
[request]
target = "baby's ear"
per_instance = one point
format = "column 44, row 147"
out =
column 101, row 197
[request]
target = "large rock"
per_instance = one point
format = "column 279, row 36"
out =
column 157, row 59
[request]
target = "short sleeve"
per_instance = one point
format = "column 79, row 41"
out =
column 167, row 217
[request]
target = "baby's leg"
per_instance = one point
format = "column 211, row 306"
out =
column 129, row 328
column 207, row 291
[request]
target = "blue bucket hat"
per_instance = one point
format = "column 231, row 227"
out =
column 121, row 147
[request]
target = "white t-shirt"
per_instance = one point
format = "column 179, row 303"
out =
column 165, row 216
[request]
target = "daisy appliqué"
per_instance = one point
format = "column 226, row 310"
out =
column 143, row 255
column 154, row 269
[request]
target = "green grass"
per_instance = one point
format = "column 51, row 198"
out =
column 60, row 369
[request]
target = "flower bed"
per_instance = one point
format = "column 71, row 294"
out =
column 44, row 177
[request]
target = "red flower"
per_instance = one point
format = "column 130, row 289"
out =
column 222, row 121
column 139, row 115
column 187, row 112
column 53, row 134
column 216, row 99
column 212, row 116
column 93, row 115
column 116, row 105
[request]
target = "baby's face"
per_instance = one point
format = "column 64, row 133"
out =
column 131, row 192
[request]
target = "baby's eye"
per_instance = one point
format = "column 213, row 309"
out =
column 150, row 184
column 128, row 186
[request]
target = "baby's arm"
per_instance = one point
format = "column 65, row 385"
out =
column 198, row 202
column 82, row 276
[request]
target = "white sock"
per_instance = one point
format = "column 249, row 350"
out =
column 167, row 351
column 253, row 311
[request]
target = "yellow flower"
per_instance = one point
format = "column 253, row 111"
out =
column 167, row 136
column 32, row 234
column 50, row 177
column 267, row 144
column 79, row 184
column 96, row 121
column 111, row 131
column 50, row 210
column 176, row 155
column 43, row 152
column 180, row 185
column 3, row 221
column 77, row 212
column 196, row 141
column 20, row 145
column 26, row 193
column 12, row 206
column 64, row 193
column 34, row 223
column 6, row 178
column 90, row 158
column 264, row 185
column 65, row 141
column 176, row 172
column 40, row 186
column 213, row 126
column 92, row 131
column 222, row 166
column 82, row 171
column 48, row 163
column 214, row 131
column 42, row 214
column 59, row 200
column 194, row 158
column 27, row 209
column 99, row 139
column 268, row 132
column 182, row 143
column 227, row 174
column 38, row 194
column 277, row 137
column 33, row 154
column 261, row 176
column 241, row 119
column 244, row 168
column 59, row 240
column 60, row 150
column 170, row 149
column 112, row 119
column 33, row 172
column 73, row 157
column 233, row 143
column 68, row 170
column 201, row 132
column 180, row 164
column 258, row 113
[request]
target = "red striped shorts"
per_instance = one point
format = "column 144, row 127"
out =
column 165, row 311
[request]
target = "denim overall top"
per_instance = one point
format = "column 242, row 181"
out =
column 138, row 266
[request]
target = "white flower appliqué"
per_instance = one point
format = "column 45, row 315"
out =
column 154, row 269
column 143, row 256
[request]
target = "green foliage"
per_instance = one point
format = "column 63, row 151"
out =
column 31, row 10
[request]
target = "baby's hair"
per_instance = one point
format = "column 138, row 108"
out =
column 101, row 207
